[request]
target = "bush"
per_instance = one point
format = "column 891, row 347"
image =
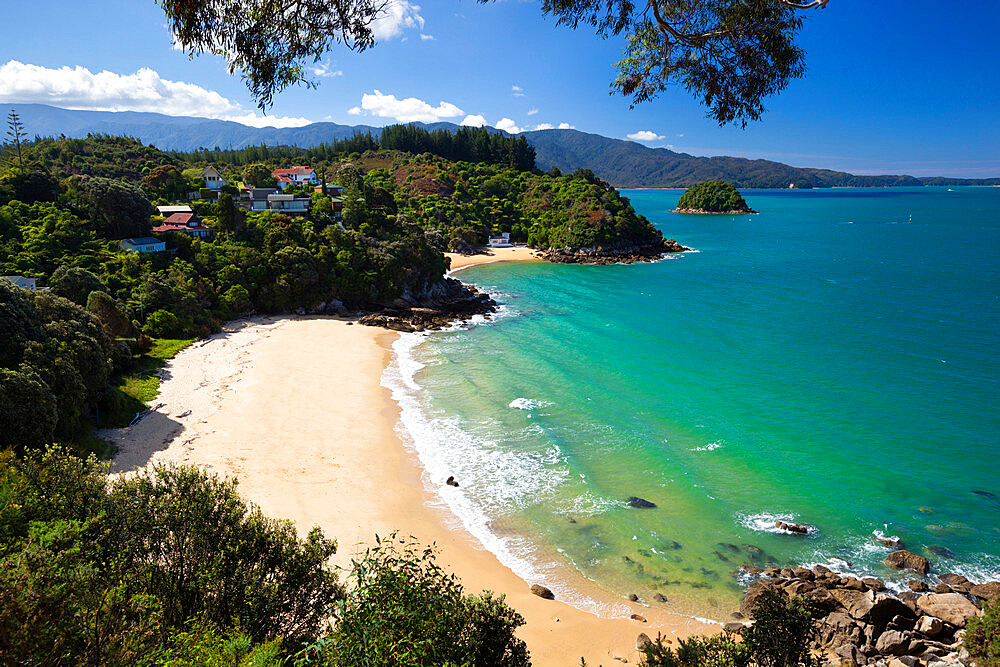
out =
column 982, row 636
column 780, row 636
column 405, row 610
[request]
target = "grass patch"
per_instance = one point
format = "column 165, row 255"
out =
column 137, row 390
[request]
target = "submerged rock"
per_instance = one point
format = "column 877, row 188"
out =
column 451, row 482
column 907, row 560
column 640, row 503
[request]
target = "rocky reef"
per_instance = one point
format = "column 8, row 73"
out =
column 447, row 302
column 626, row 254
column 861, row 622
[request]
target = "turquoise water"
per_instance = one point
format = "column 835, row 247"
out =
column 826, row 361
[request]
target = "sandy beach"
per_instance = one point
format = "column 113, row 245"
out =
column 293, row 409
column 487, row 255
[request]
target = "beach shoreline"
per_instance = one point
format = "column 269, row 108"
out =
column 492, row 255
column 293, row 408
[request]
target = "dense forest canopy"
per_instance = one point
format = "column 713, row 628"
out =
column 713, row 197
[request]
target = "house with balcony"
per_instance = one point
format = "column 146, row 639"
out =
column 288, row 204
column 184, row 223
column 213, row 179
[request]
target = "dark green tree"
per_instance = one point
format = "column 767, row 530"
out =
column 122, row 209
column 15, row 132
column 75, row 283
column 114, row 321
column 258, row 175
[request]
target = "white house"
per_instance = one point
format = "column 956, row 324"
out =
column 299, row 175
column 21, row 281
column 213, row 179
column 502, row 241
column 143, row 244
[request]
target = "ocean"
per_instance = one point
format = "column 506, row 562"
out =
column 831, row 361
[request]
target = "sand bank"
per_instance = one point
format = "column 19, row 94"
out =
column 487, row 255
column 294, row 410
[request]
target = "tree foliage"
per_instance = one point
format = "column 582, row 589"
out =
column 982, row 636
column 713, row 197
column 121, row 208
column 404, row 609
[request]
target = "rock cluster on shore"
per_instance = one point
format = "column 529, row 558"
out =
column 613, row 255
column 861, row 623
column 448, row 302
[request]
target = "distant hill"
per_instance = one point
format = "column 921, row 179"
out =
column 622, row 163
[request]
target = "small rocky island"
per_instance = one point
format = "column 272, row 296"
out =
column 713, row 197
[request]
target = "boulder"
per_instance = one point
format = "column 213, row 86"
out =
column 853, row 583
column 733, row 628
column 958, row 583
column 892, row 642
column 822, row 600
column 885, row 609
column 642, row 641
column 929, row 626
column 451, row 482
column 822, row 569
column 660, row 597
column 633, row 597
column 804, row 573
column 917, row 586
column 855, row 603
column 542, row 592
column 951, row 608
column 637, row 617
column 737, row 616
column 838, row 629
column 640, row 503
column 903, row 661
column 942, row 588
column 987, row 591
column 849, row 654
column 873, row 584
column 907, row 560
column 889, row 541
column 795, row 528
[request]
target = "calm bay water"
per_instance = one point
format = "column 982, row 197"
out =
column 826, row 361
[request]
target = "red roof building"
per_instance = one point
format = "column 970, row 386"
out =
column 185, row 224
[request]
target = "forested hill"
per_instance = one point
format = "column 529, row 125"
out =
column 621, row 163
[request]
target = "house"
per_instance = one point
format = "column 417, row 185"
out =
column 21, row 281
column 213, row 179
column 288, row 203
column 502, row 241
column 257, row 200
column 143, row 244
column 167, row 211
column 185, row 223
column 299, row 175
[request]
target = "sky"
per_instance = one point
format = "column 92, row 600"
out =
column 892, row 86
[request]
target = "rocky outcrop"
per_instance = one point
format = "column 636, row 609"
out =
column 796, row 528
column 907, row 560
column 860, row 624
column 448, row 302
column 621, row 254
column 640, row 503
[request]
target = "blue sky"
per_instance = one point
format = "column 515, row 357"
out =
column 892, row 87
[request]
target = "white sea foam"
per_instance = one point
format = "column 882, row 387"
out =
column 494, row 480
column 764, row 522
column 710, row 447
column 528, row 404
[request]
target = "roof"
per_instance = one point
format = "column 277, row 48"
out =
column 20, row 281
column 142, row 240
column 169, row 210
column 203, row 171
column 179, row 219
column 301, row 170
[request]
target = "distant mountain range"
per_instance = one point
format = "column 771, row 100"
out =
column 622, row 163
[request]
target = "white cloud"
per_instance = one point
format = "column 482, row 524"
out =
column 474, row 121
column 545, row 126
column 407, row 110
column 518, row 91
column 566, row 126
column 355, row 111
column 324, row 70
column 398, row 15
column 532, row 112
column 507, row 125
column 645, row 135
column 680, row 135
column 253, row 120
column 426, row 38
column 144, row 90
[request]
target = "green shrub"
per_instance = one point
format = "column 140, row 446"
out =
column 982, row 636
column 713, row 197
column 405, row 610
column 719, row 650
